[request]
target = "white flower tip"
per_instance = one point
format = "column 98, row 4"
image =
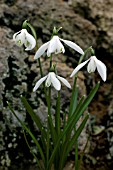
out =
column 34, row 89
column 72, row 74
column 58, row 88
column 104, row 78
column 73, row 45
column 69, row 87
column 82, row 52
column 35, row 57
column 102, row 70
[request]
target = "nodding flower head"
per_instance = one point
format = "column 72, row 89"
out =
column 24, row 38
column 93, row 63
column 53, row 79
column 55, row 46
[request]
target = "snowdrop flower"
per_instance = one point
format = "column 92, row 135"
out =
column 53, row 79
column 23, row 37
column 92, row 65
column 55, row 46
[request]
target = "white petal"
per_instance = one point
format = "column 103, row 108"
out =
column 52, row 46
column 39, row 83
column 60, row 47
column 63, row 80
column 41, row 50
column 78, row 68
column 19, row 38
column 73, row 45
column 30, row 42
column 91, row 65
column 55, row 46
column 55, row 82
column 48, row 81
column 14, row 36
column 102, row 70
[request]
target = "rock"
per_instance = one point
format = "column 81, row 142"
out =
column 100, row 14
column 50, row 14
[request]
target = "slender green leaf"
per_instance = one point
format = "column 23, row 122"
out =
column 70, row 142
column 79, row 110
column 83, row 152
column 36, row 119
column 73, row 120
column 51, row 126
column 38, row 162
column 80, row 104
column 48, row 144
column 77, row 133
column 69, row 132
column 64, row 125
column 58, row 129
column 76, row 155
column 73, row 98
column 33, row 115
column 30, row 133
column 74, row 104
column 52, row 130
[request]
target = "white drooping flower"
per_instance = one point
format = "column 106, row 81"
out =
column 53, row 79
column 92, row 65
column 24, row 38
column 55, row 46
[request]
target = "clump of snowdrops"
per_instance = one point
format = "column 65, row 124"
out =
column 58, row 138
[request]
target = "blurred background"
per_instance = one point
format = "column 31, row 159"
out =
column 85, row 22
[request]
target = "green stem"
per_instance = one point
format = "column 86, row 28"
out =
column 41, row 72
column 72, row 98
column 57, row 128
column 57, row 115
column 85, row 53
column 75, row 80
column 48, row 126
column 48, row 143
column 40, row 65
column 49, row 116
column 49, row 101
